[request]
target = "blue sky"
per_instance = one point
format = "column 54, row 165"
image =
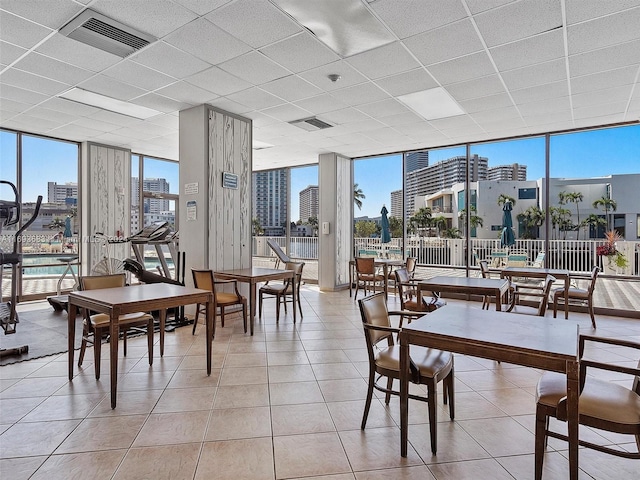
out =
column 584, row 154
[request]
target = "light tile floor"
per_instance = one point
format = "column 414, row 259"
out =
column 283, row 404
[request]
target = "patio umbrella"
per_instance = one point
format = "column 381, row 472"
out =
column 67, row 227
column 507, row 237
column 385, row 235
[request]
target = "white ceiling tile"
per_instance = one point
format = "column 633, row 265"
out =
column 138, row 75
column 321, row 104
column 257, row 22
column 605, row 59
column 115, row 118
column 168, row 59
column 407, row 82
column 598, row 120
column 410, row 17
column 445, row 43
column 52, row 115
column 539, row 74
column 291, row 88
column 260, row 119
column 581, row 10
column 111, row 88
column 345, row 115
column 532, row 50
column 7, row 115
column 134, row 132
column 603, row 32
column 21, row 32
column 551, row 106
column 479, row 87
column 152, row 129
column 279, row 129
column 594, row 111
column 47, row 13
column 544, row 119
column 360, row 94
column 202, row 7
column 359, row 127
column 462, row 68
column 255, row 98
column 497, row 126
column 477, row 6
column 208, row 42
column 383, row 61
column 525, row 19
column 95, row 124
column 35, row 83
column 459, row 121
column 75, row 131
column 495, row 114
column 77, row 53
column 486, row 103
column 13, row 106
column 170, row 121
column 254, row 67
column 386, row 135
column 35, row 122
column 218, row 81
column 9, row 53
column 300, row 52
column 383, row 108
column 68, row 106
column 185, row 92
column 401, row 119
column 287, row 112
column 460, row 133
column 159, row 20
column 53, row 69
column 599, row 97
column 611, row 78
column 318, row 76
column 541, row 92
column 230, row 106
column 160, row 103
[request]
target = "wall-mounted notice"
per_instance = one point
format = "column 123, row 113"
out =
column 229, row 180
column 191, row 211
column 191, row 188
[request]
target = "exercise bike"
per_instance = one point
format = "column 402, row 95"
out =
column 10, row 213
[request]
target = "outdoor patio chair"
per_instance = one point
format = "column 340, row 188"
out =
column 579, row 294
column 367, row 275
column 543, row 293
column 538, row 262
column 428, row 366
column 283, row 290
column 498, row 259
column 204, row 280
column 517, row 260
column 603, row 405
column 97, row 326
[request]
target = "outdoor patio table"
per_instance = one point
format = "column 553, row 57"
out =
column 533, row 272
column 479, row 286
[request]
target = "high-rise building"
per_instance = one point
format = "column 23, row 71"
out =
column 515, row 171
column 270, row 200
column 153, row 185
column 59, row 193
column 441, row 175
column 396, row 204
column 415, row 160
column 309, row 203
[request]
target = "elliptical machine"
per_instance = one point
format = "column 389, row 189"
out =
column 10, row 213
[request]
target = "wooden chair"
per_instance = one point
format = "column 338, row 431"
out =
column 484, row 270
column 97, row 326
column 604, row 405
column 367, row 274
column 428, row 366
column 283, row 290
column 204, row 280
column 408, row 289
column 579, row 294
column 410, row 264
column 544, row 294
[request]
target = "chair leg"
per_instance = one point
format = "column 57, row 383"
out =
column 259, row 307
column 195, row 320
column 555, row 306
column 150, row 340
column 299, row 304
column 432, row 391
column 244, row 315
column 222, row 316
column 124, row 342
column 450, row 394
column 83, row 347
column 591, row 314
column 387, row 396
column 97, row 346
column 367, row 403
column 277, row 308
column 540, row 441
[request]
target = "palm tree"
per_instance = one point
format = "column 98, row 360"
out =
column 559, row 218
column 607, row 204
column 452, row 233
column 531, row 218
column 257, row 228
column 573, row 197
column 358, row 196
column 440, row 222
column 503, row 198
column 474, row 220
column 396, row 227
column 594, row 221
column 422, row 218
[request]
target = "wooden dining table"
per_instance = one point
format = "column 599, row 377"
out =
column 533, row 272
column 137, row 298
column 255, row 275
column 546, row 344
column 479, row 286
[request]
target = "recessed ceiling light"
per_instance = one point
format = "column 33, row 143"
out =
column 107, row 103
column 432, row 104
column 346, row 26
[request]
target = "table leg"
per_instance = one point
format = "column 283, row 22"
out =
column 404, row 397
column 499, row 300
column 163, row 321
column 385, row 272
column 211, row 325
column 573, row 394
column 350, row 279
column 252, row 299
column 71, row 329
column 113, row 343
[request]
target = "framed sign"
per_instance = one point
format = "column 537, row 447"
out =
column 229, row 180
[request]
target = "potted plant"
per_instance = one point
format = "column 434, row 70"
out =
column 613, row 261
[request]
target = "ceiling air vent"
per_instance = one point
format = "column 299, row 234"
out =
column 106, row 34
column 311, row 124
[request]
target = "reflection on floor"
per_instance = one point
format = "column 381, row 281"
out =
column 285, row 403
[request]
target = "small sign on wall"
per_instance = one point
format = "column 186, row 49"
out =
column 192, row 213
column 191, row 188
column 229, row 180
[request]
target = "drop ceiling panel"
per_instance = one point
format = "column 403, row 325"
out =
column 595, row 111
column 254, row 67
column 13, row 106
column 411, row 17
column 256, row 98
column 445, row 43
column 496, row 114
column 579, row 10
column 246, row 19
column 459, row 121
column 185, row 92
column 383, row 61
column 546, row 119
column 599, row 97
column 526, row 18
column 541, row 92
column 21, row 32
column 199, row 37
column 300, row 52
column 597, row 81
column 318, row 76
column 111, row 88
column 550, row 106
column 292, row 88
column 218, row 81
column 260, row 119
column 32, row 82
column 168, row 59
column 52, row 115
column 163, row 18
column 53, row 69
column 345, row 115
column 138, row 75
column 74, row 132
column 603, row 32
column 41, row 124
column 383, row 108
column 160, row 103
column 401, row 119
column 485, row 103
column 407, row 82
column 360, row 94
column 77, row 53
column 202, row 7
column 463, row 68
column 230, row 106
column 67, row 106
column 10, row 53
column 477, row 6
column 168, row 120
column 115, row 118
column 97, row 125
column 539, row 74
column 480, row 87
column 49, row 14
column 537, row 49
column 605, row 59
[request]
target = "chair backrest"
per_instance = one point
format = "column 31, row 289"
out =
column 373, row 311
column 539, row 261
column 283, row 257
column 484, row 268
column 402, row 277
column 297, row 271
column 411, row 265
column 548, row 282
column 594, row 277
column 95, row 282
column 476, row 258
column 203, row 279
column 517, row 260
column 365, row 265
